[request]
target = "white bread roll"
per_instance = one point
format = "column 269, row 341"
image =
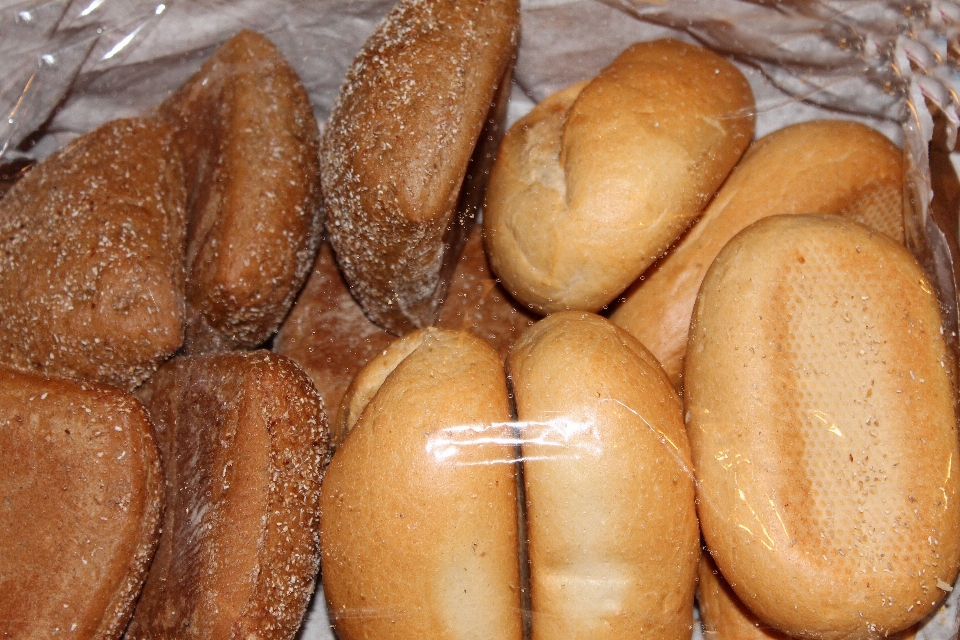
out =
column 598, row 180
column 821, row 417
column 828, row 166
column 419, row 528
column 612, row 527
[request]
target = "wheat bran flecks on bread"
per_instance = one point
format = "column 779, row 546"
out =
column 243, row 439
column 828, row 166
column 91, row 257
column 599, row 179
column 821, row 417
column 419, row 518
column 613, row 537
column 250, row 147
column 81, row 496
column 427, row 93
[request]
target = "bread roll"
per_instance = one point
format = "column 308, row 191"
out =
column 427, row 92
column 419, row 521
column 81, row 496
column 821, row 418
column 91, row 257
column 829, row 166
column 612, row 527
column 598, row 180
column 243, row 441
column 250, row 146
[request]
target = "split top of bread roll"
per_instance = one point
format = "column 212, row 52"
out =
column 820, row 411
column 599, row 179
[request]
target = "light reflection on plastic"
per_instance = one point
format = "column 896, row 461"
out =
column 449, row 442
column 93, row 6
column 48, row 58
column 663, row 437
column 160, row 9
column 782, row 525
column 117, row 48
column 755, row 517
column 26, row 16
column 824, row 418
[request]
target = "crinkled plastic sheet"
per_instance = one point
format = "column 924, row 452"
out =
column 72, row 65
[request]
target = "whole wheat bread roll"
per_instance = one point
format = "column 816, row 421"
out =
column 419, row 524
column 821, row 417
column 828, row 166
column 599, row 179
column 428, row 91
column 612, row 527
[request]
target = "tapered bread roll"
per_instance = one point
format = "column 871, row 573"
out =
column 250, row 148
column 428, row 91
column 598, row 180
column 81, row 496
column 91, row 257
column 419, row 521
column 613, row 537
column 821, row 417
column 829, row 166
column 243, row 441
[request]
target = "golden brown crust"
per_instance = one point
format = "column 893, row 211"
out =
column 419, row 522
column 591, row 186
column 821, row 417
column 830, row 167
column 243, row 438
column 397, row 147
column 613, row 536
column 91, row 257
column 250, row 145
column 81, row 495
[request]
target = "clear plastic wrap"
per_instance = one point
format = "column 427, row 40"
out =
column 74, row 65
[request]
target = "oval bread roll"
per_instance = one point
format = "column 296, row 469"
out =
column 598, row 180
column 419, row 525
column 821, row 417
column 612, row 527
column 829, row 166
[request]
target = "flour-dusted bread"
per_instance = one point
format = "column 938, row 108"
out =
column 250, row 148
column 419, row 514
column 599, row 179
column 243, row 441
column 81, row 496
column 821, row 416
column 613, row 537
column 828, row 166
column 91, row 257
column 427, row 92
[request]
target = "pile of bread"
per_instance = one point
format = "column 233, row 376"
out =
column 671, row 362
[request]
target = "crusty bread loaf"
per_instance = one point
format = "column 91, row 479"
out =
column 419, row 522
column 431, row 82
column 612, row 527
column 250, row 149
column 598, row 180
column 821, row 417
column 243, row 441
column 828, row 166
column 81, row 496
column 91, row 257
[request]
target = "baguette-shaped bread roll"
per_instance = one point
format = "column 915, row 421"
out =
column 821, row 417
column 419, row 521
column 427, row 93
column 612, row 527
column 598, row 180
column 828, row 166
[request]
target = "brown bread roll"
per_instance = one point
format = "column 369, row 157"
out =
column 250, row 148
column 81, row 496
column 821, row 417
column 243, row 441
column 91, row 257
column 419, row 523
column 612, row 527
column 829, row 166
column 598, row 180
column 431, row 82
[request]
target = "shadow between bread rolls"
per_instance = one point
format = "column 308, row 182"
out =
column 421, row 518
